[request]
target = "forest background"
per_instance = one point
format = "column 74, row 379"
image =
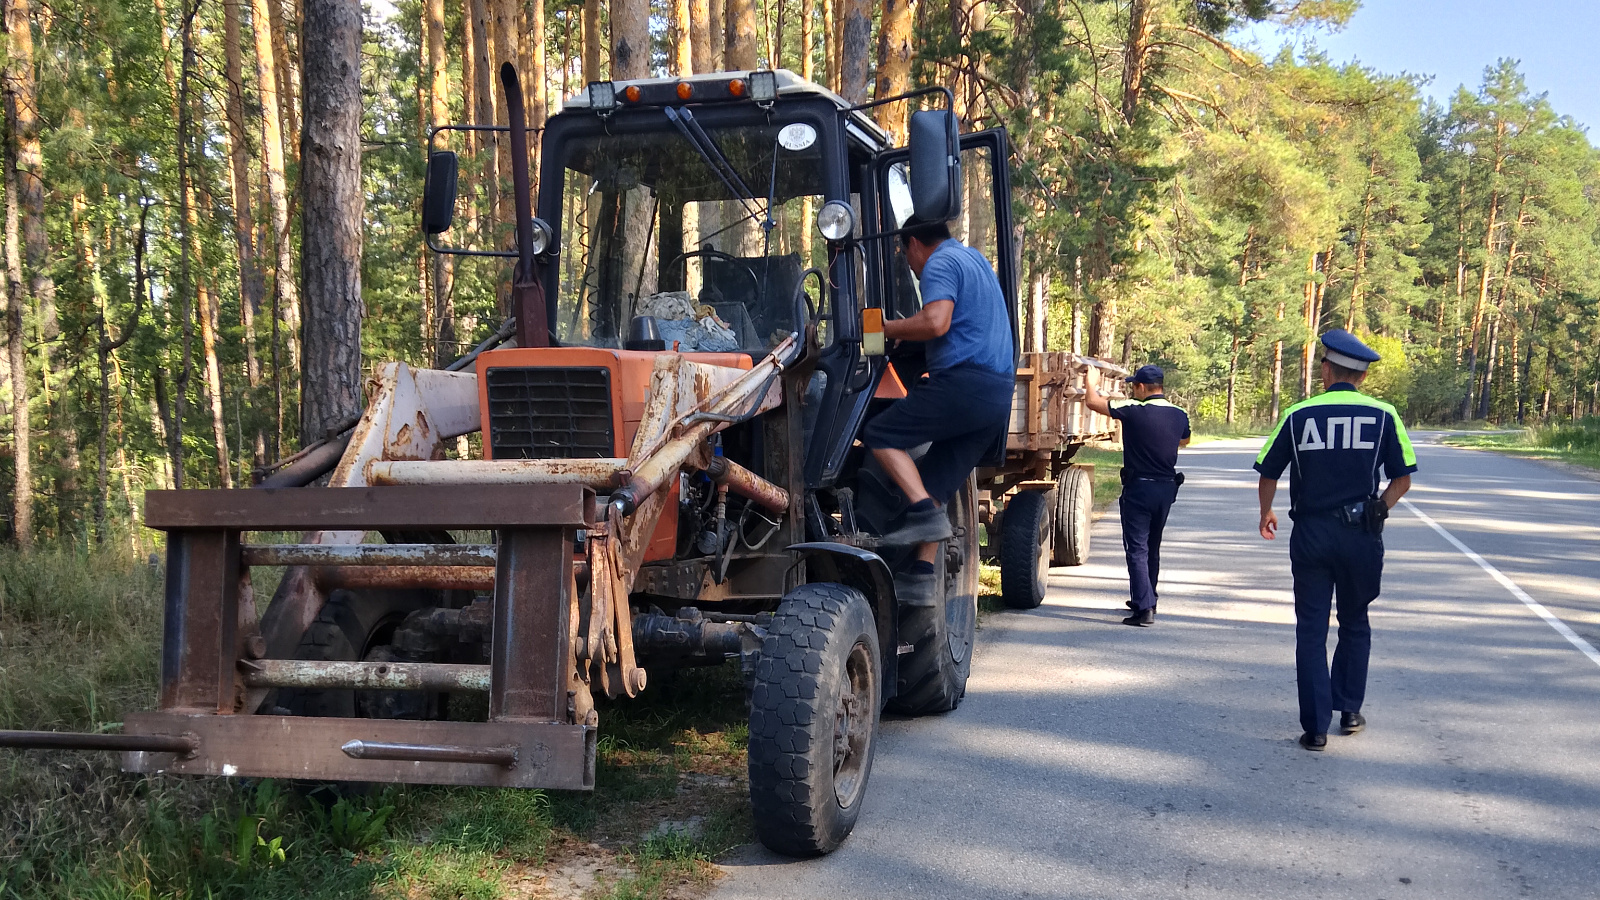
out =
column 1182, row 201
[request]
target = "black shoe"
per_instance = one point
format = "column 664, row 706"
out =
column 920, row 527
column 1141, row 618
column 1314, row 741
column 1350, row 722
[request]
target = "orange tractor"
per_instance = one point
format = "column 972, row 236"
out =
column 669, row 471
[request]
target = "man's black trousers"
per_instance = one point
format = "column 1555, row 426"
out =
column 1145, row 504
column 1330, row 558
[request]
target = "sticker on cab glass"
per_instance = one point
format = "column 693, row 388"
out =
column 797, row 136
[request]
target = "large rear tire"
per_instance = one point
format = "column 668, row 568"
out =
column 814, row 719
column 1074, row 509
column 1026, row 533
column 933, row 676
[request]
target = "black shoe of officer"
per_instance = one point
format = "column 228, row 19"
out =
column 924, row 525
column 1141, row 618
column 1350, row 722
column 1314, row 741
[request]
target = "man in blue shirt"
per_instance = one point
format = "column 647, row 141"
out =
column 964, row 406
column 1152, row 432
column 1333, row 445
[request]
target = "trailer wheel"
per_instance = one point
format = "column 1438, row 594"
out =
column 354, row 626
column 1074, row 507
column 933, row 676
column 814, row 719
column 1026, row 533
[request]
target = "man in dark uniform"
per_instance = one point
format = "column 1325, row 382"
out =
column 960, row 409
column 1152, row 431
column 1333, row 444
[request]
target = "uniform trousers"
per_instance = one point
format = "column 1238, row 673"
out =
column 1329, row 558
column 1144, row 505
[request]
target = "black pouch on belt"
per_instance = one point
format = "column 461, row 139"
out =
column 1374, row 514
column 1178, row 479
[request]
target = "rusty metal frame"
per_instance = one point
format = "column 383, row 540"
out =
column 531, row 739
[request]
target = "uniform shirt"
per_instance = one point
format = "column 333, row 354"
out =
column 1333, row 444
column 1151, row 431
column 980, row 327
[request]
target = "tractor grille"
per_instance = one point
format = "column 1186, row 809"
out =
column 550, row 413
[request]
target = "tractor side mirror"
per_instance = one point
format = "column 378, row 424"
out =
column 935, row 166
column 439, row 192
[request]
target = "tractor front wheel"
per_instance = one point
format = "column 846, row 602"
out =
column 814, row 719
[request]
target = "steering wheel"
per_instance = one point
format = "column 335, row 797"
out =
column 718, row 254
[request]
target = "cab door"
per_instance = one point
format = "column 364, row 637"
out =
column 985, row 225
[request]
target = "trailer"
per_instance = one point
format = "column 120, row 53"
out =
column 1038, row 503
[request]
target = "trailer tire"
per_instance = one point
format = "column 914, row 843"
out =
column 1074, row 515
column 1026, row 533
column 933, row 676
column 351, row 625
column 814, row 719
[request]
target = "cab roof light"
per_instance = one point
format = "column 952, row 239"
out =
column 631, row 93
column 764, row 86
column 736, row 87
column 602, row 96
column 685, row 90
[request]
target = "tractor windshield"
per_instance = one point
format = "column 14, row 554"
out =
column 706, row 229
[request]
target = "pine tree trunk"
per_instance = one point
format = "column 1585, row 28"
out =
column 830, row 42
column 808, row 40
column 251, row 288
column 535, row 80
column 1135, row 57
column 286, row 292
column 27, row 160
column 630, row 39
column 739, row 53
column 483, row 114
column 701, row 56
column 681, row 38
column 855, row 49
column 592, row 40
column 332, row 204
column 206, row 311
column 16, row 353
column 284, row 32
column 894, row 65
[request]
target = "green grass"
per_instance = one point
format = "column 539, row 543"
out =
column 1205, row 432
column 80, row 634
column 1573, row 442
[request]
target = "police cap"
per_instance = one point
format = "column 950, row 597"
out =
column 1147, row 375
column 1344, row 349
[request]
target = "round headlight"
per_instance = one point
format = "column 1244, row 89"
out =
column 836, row 220
column 542, row 237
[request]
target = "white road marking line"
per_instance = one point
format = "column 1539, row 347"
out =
column 1584, row 647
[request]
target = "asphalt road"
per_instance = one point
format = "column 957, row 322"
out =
column 1095, row 760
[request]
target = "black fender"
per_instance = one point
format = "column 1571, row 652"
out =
column 868, row 573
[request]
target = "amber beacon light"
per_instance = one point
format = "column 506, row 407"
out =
column 685, row 90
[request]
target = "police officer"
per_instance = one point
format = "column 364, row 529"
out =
column 1152, row 432
column 1333, row 444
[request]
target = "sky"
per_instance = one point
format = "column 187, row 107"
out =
column 1557, row 42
